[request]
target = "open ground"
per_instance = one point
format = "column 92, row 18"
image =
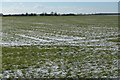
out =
column 59, row 46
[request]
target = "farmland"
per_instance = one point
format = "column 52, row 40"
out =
column 59, row 46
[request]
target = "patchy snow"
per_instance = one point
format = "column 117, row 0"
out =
column 43, row 23
column 37, row 39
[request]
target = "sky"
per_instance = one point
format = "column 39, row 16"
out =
column 78, row 6
column 60, row 0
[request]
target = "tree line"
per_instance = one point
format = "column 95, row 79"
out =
column 41, row 14
column 56, row 14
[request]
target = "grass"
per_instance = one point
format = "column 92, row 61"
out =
column 114, row 40
column 24, row 57
column 79, row 47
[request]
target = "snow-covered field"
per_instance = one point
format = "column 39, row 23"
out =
column 82, row 46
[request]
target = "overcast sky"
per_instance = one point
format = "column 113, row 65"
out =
column 73, row 6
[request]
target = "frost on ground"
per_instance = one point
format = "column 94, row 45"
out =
column 82, row 46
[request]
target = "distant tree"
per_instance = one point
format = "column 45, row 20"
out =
column 26, row 14
column 31, row 14
column 45, row 14
column 22, row 15
column 52, row 13
column 55, row 14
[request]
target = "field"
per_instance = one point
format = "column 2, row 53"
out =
column 59, row 46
